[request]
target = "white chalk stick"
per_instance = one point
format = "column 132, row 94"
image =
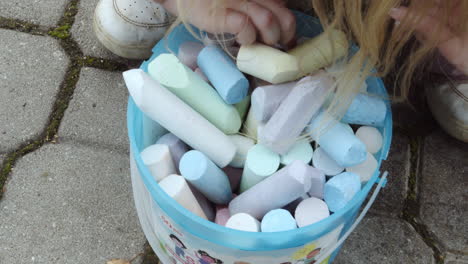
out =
column 176, row 187
column 301, row 150
column 322, row 161
column 366, row 169
column 162, row 106
column 266, row 99
column 188, row 53
column 318, row 182
column 250, row 126
column 243, row 145
column 222, row 215
column 371, row 137
column 260, row 163
column 243, row 222
column 267, row 63
column 158, row 159
column 311, row 211
column 176, row 146
column 278, row 220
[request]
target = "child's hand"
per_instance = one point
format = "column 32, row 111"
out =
column 265, row 20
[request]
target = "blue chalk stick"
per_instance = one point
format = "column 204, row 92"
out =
column 278, row 220
column 340, row 189
column 204, row 175
column 222, row 72
column 366, row 110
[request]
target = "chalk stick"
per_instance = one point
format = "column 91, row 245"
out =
column 322, row 161
column 176, row 146
column 266, row 99
column 151, row 131
column 158, row 159
column 205, row 205
column 234, row 175
column 243, row 145
column 204, row 175
column 301, row 150
column 276, row 191
column 243, row 222
column 259, row 164
column 311, row 211
column 243, row 107
column 340, row 189
column 278, row 220
column 320, row 51
column 296, row 110
column 317, row 182
column 337, row 141
column 267, row 63
column 176, row 187
column 201, row 74
column 291, row 207
column 366, row 169
column 250, row 126
column 371, row 137
column 191, row 88
column 162, row 106
column 223, row 74
column 188, row 53
column 366, row 110
column 222, row 215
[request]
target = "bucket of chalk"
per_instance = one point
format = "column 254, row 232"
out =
column 180, row 232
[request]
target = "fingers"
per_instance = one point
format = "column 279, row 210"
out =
column 240, row 25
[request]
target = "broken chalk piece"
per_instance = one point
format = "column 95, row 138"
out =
column 301, row 150
column 243, row 145
column 188, row 86
column 188, row 53
column 311, row 211
column 234, row 175
column 317, row 182
column 243, row 222
column 340, row 189
column 371, row 137
column 155, row 100
column 266, row 99
column 158, row 159
column 176, row 187
column 201, row 74
column 205, row 205
column 222, row 215
column 223, row 74
column 278, row 220
column 260, row 163
column 204, row 175
column 276, row 191
column 322, row 161
column 366, row 110
column 366, row 169
column 267, row 63
column 176, row 146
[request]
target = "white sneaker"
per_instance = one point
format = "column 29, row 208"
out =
column 130, row 28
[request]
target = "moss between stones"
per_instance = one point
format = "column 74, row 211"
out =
column 61, row 32
column 21, row 26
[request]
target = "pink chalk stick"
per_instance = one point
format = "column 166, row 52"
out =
column 222, row 215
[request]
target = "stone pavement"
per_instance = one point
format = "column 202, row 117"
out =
column 65, row 188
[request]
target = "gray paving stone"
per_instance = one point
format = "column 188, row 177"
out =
column 31, row 70
column 455, row 259
column 444, row 197
column 97, row 112
column 69, row 204
column 44, row 12
column 391, row 198
column 384, row 240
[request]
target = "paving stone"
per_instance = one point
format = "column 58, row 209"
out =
column 44, row 12
column 384, row 240
column 455, row 259
column 69, row 204
column 31, row 70
column 97, row 112
column 391, row 198
column 443, row 196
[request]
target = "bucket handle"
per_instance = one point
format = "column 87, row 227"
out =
column 382, row 181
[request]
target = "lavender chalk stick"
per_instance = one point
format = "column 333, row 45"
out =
column 260, row 163
column 191, row 88
column 322, row 161
column 366, row 110
column 205, row 205
column 234, row 175
column 276, row 191
column 337, row 140
column 297, row 109
column 204, row 175
column 243, row 222
column 176, row 187
column 317, row 182
column 223, row 74
column 266, row 99
column 243, row 145
column 176, row 146
column 155, row 101
column 159, row 161
column 311, row 211
column 188, row 53
column 301, row 150
column 222, row 215
column 371, row 137
column 366, row 169
column 340, row 189
column 278, row 220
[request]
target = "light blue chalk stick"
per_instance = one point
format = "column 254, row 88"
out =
column 278, row 220
column 223, row 74
column 340, row 189
column 336, row 139
column 204, row 175
column 366, row 110
column 152, row 130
